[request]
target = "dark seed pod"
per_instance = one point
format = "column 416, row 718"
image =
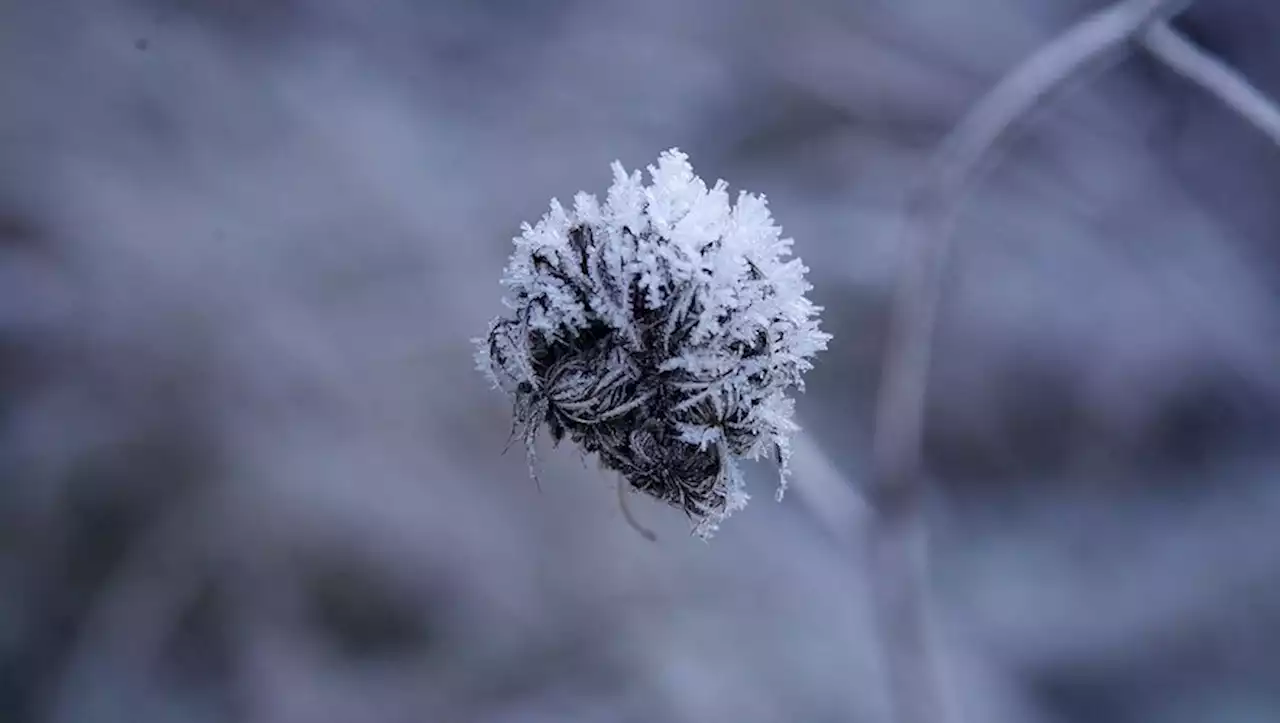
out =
column 660, row 331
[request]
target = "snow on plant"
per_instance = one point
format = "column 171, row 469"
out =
column 661, row 331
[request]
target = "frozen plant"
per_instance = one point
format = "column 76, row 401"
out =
column 660, row 331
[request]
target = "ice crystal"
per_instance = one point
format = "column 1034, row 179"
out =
column 660, row 331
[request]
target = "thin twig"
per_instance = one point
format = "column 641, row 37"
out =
column 634, row 523
column 825, row 491
column 1214, row 76
column 896, row 542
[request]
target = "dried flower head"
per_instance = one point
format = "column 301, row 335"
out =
column 660, row 331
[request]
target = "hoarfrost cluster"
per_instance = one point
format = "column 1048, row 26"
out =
column 660, row 330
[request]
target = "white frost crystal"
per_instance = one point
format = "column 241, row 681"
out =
column 661, row 331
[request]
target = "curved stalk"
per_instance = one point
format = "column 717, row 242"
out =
column 896, row 543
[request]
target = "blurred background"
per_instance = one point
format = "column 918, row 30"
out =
column 248, row 473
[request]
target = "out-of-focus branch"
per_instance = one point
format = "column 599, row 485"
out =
column 825, row 491
column 1214, row 76
column 896, row 539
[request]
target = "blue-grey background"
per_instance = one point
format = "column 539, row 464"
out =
column 247, row 472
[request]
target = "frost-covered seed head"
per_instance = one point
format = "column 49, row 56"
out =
column 661, row 331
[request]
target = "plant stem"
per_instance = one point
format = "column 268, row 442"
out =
column 896, row 543
column 1211, row 74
